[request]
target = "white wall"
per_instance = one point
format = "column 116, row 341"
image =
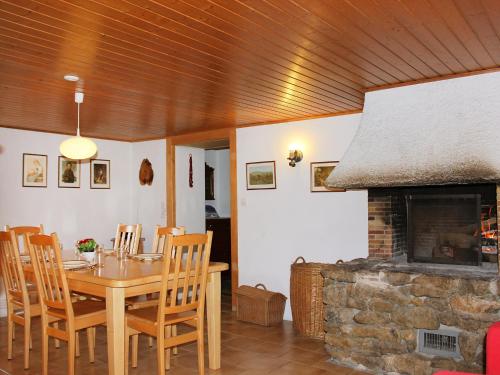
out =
column 78, row 213
column 149, row 201
column 190, row 202
column 72, row 213
column 219, row 160
column 276, row 226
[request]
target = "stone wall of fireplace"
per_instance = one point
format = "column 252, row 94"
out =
column 374, row 310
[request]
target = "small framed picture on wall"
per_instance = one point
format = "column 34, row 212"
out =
column 261, row 175
column 68, row 173
column 319, row 173
column 34, row 170
column 100, row 175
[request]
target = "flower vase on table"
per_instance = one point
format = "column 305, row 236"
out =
column 86, row 249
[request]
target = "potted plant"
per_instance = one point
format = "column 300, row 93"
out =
column 86, row 248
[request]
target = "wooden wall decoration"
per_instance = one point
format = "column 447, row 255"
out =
column 146, row 173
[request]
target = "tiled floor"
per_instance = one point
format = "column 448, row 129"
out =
column 247, row 349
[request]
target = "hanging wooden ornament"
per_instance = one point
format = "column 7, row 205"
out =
column 146, row 173
column 190, row 170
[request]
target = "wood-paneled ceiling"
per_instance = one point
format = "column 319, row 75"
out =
column 151, row 69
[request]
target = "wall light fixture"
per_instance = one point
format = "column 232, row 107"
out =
column 294, row 156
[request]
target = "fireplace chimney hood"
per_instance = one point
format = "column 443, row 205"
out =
column 437, row 133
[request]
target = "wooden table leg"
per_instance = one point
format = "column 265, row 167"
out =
column 115, row 320
column 213, row 298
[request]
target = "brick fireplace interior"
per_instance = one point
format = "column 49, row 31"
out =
column 439, row 224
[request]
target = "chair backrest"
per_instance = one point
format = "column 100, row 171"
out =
column 12, row 270
column 185, row 271
column 128, row 236
column 160, row 237
column 22, row 232
column 50, row 276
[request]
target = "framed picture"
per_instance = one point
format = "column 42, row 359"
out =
column 34, row 170
column 68, row 173
column 319, row 173
column 261, row 175
column 100, row 177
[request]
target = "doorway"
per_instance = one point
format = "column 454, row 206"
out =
column 224, row 245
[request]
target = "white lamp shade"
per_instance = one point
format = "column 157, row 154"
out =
column 78, row 148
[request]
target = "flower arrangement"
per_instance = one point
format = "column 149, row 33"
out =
column 86, row 245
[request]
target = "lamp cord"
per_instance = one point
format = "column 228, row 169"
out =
column 78, row 121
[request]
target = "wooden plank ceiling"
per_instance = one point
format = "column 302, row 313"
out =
column 151, row 69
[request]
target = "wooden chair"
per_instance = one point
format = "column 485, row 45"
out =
column 160, row 237
column 56, row 302
column 22, row 303
column 159, row 242
column 128, row 236
column 22, row 232
column 185, row 271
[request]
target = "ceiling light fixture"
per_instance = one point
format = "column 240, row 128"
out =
column 78, row 148
column 71, row 77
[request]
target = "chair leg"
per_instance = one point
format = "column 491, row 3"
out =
column 57, row 343
column 90, row 342
column 31, row 341
column 27, row 340
column 150, row 341
column 201, row 350
column 45, row 349
column 135, row 349
column 77, row 344
column 160, row 353
column 72, row 340
column 175, row 349
column 168, row 333
column 126, row 349
column 10, row 338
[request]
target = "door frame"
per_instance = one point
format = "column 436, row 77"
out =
column 201, row 139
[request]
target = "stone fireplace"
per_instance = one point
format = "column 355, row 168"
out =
column 376, row 310
column 432, row 272
column 429, row 289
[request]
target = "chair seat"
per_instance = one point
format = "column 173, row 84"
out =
column 150, row 315
column 81, row 308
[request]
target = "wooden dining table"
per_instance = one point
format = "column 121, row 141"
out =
column 117, row 279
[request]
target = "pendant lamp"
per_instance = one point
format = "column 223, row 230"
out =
column 78, row 148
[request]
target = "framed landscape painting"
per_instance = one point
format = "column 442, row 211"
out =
column 261, row 175
column 100, row 174
column 319, row 173
column 68, row 173
column 34, row 170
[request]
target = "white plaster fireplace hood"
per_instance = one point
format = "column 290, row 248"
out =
column 444, row 132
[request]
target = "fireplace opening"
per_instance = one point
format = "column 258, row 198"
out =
column 454, row 224
column 444, row 228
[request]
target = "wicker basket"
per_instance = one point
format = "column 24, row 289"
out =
column 259, row 306
column 306, row 298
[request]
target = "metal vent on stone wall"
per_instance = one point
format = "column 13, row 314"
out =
column 441, row 342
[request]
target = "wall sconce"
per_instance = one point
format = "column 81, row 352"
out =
column 294, row 156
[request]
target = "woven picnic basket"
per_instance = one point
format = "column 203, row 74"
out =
column 306, row 298
column 259, row 306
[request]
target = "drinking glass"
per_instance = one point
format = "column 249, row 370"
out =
column 99, row 256
column 122, row 252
